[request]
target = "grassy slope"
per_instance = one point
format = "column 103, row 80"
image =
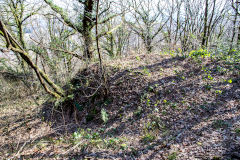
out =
column 160, row 107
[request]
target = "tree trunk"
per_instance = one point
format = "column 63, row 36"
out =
column 178, row 22
column 88, row 23
column 238, row 39
column 234, row 31
column 88, row 45
column 210, row 26
column 148, row 43
column 204, row 40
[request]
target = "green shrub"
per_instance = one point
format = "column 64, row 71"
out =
column 199, row 53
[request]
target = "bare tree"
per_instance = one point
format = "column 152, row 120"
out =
column 16, row 15
column 147, row 20
column 55, row 48
column 85, row 22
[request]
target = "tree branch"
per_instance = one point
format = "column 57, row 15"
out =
column 63, row 15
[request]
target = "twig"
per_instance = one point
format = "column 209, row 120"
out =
column 94, row 91
column 20, row 150
column 72, row 148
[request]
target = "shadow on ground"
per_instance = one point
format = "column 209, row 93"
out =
column 195, row 115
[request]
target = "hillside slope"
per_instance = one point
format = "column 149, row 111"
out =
column 159, row 107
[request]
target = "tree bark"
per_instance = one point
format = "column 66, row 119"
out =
column 204, row 39
column 88, row 24
column 210, row 26
column 238, row 39
column 234, row 31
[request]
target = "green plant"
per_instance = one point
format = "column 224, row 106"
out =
column 237, row 131
column 165, row 101
column 172, row 156
column 207, row 73
column 164, row 112
column 161, row 69
column 104, row 115
column 138, row 58
column 209, row 77
column 179, row 74
column 150, row 88
column 218, row 92
column 146, row 71
column 229, row 81
column 216, row 158
column 95, row 135
column 147, row 138
column 156, row 103
column 172, row 53
column 220, row 124
column 221, row 70
column 89, row 138
column 199, row 53
column 123, row 146
column 138, row 112
column 134, row 151
column 203, row 107
column 229, row 56
column 148, row 103
column 112, row 142
column 208, row 86
column 174, row 105
column 180, row 53
column 77, row 135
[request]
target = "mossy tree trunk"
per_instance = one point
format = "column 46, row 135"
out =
column 238, row 42
column 88, row 24
column 204, row 39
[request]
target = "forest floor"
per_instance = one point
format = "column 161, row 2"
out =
column 160, row 107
